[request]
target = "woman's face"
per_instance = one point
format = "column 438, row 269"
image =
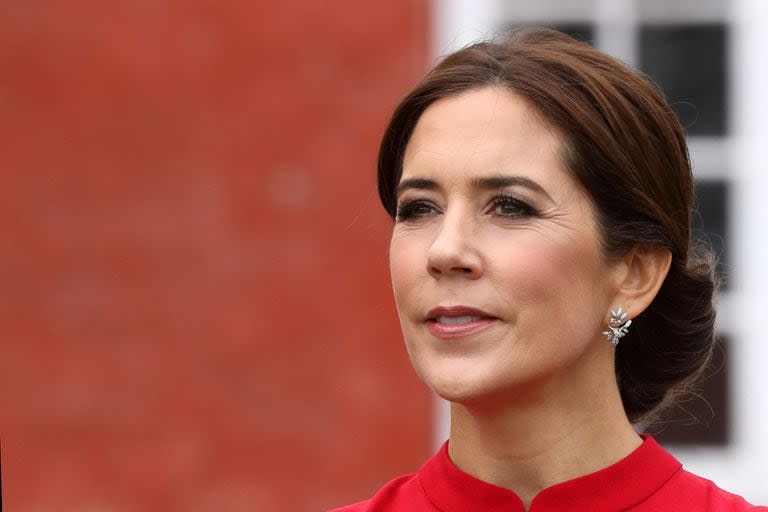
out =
column 492, row 229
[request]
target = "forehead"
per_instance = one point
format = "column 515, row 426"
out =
column 484, row 131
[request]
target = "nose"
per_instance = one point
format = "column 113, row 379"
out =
column 453, row 252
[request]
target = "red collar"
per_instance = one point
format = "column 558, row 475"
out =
column 616, row 487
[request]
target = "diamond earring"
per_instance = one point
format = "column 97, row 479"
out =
column 617, row 328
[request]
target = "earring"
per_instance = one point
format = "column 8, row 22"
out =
column 617, row 328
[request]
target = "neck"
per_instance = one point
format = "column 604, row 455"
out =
column 527, row 445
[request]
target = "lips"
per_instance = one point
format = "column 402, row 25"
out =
column 458, row 321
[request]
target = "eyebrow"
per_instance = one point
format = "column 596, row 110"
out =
column 483, row 183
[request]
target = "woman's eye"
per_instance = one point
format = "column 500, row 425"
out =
column 413, row 210
column 507, row 206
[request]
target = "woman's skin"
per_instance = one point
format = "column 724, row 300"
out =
column 489, row 218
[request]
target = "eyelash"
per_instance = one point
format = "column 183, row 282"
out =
column 420, row 208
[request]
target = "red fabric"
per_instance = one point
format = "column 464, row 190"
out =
column 648, row 480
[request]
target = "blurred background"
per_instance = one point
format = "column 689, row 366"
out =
column 197, row 311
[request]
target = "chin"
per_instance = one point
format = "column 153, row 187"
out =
column 462, row 388
column 482, row 386
column 455, row 393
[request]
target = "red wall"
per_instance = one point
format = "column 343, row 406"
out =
column 196, row 311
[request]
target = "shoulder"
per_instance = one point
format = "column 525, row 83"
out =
column 686, row 491
column 402, row 493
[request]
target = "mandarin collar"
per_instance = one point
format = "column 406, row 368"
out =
column 616, row 487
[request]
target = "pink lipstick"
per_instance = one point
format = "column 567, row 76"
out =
column 458, row 321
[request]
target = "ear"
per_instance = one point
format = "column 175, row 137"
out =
column 644, row 269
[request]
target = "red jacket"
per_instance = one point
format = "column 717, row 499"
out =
column 648, row 480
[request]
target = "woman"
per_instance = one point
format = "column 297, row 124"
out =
column 541, row 267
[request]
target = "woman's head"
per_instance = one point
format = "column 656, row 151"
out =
column 607, row 145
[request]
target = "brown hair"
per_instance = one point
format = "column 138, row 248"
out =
column 625, row 146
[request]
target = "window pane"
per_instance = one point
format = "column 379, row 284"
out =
column 689, row 62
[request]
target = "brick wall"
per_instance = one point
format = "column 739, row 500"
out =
column 196, row 312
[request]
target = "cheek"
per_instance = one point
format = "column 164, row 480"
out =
column 406, row 264
column 551, row 280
